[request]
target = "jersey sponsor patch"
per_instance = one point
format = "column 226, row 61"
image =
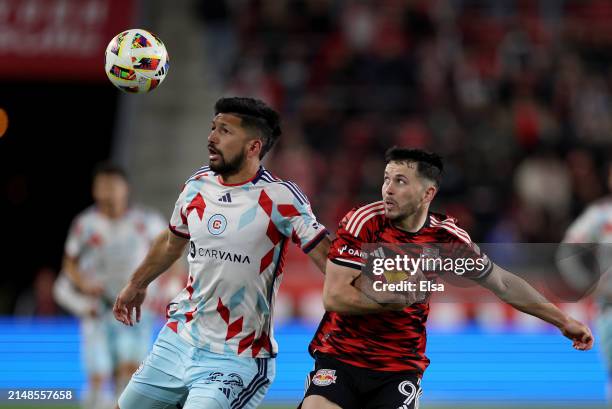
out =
column 324, row 377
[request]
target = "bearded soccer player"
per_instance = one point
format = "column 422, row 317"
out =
column 372, row 354
column 217, row 349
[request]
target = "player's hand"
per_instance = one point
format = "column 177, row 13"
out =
column 128, row 300
column 92, row 312
column 579, row 333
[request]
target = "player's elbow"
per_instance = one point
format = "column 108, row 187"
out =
column 331, row 300
column 328, row 301
column 336, row 300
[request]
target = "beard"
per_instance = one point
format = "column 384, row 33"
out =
column 228, row 167
column 400, row 214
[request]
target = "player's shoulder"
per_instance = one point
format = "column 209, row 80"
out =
column 603, row 205
column 364, row 218
column 448, row 226
column 283, row 189
column 89, row 219
column 201, row 172
column 88, row 215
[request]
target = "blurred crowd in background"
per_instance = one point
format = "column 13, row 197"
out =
column 516, row 96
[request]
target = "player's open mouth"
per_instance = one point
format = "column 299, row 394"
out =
column 390, row 203
column 213, row 154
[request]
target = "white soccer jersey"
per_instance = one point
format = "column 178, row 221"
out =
column 238, row 239
column 109, row 250
column 594, row 225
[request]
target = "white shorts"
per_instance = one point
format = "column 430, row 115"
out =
column 175, row 371
column 107, row 343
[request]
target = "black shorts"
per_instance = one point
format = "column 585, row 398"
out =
column 351, row 387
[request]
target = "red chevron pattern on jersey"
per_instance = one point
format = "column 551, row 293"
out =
column 235, row 327
column 287, row 210
column 189, row 287
column 198, row 204
column 246, row 342
column 390, row 340
column 265, row 202
column 173, row 325
column 189, row 314
column 263, row 342
column 266, row 260
column 273, row 233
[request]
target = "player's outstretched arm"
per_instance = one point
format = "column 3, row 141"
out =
column 340, row 295
column 166, row 249
column 318, row 255
column 522, row 296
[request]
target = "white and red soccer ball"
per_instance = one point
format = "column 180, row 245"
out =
column 136, row 61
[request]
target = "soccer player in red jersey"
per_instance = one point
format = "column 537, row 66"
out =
column 372, row 354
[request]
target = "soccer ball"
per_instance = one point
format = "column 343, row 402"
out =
column 136, row 61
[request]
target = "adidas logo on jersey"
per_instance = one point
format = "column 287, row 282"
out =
column 378, row 253
column 226, row 198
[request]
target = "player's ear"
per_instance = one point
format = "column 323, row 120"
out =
column 430, row 193
column 255, row 146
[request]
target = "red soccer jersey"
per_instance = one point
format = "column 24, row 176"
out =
column 389, row 340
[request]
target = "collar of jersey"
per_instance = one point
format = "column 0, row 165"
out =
column 253, row 180
column 424, row 226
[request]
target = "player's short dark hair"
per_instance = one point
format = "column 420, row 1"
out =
column 255, row 115
column 429, row 165
column 109, row 168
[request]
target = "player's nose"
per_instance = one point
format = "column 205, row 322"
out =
column 213, row 137
column 388, row 190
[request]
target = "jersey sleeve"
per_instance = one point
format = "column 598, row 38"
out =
column 585, row 229
column 178, row 220
column 75, row 242
column 346, row 249
column 468, row 260
column 300, row 223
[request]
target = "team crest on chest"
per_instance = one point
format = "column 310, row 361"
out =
column 217, row 224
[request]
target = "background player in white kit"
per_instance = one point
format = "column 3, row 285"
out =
column 105, row 243
column 594, row 225
column 217, row 349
